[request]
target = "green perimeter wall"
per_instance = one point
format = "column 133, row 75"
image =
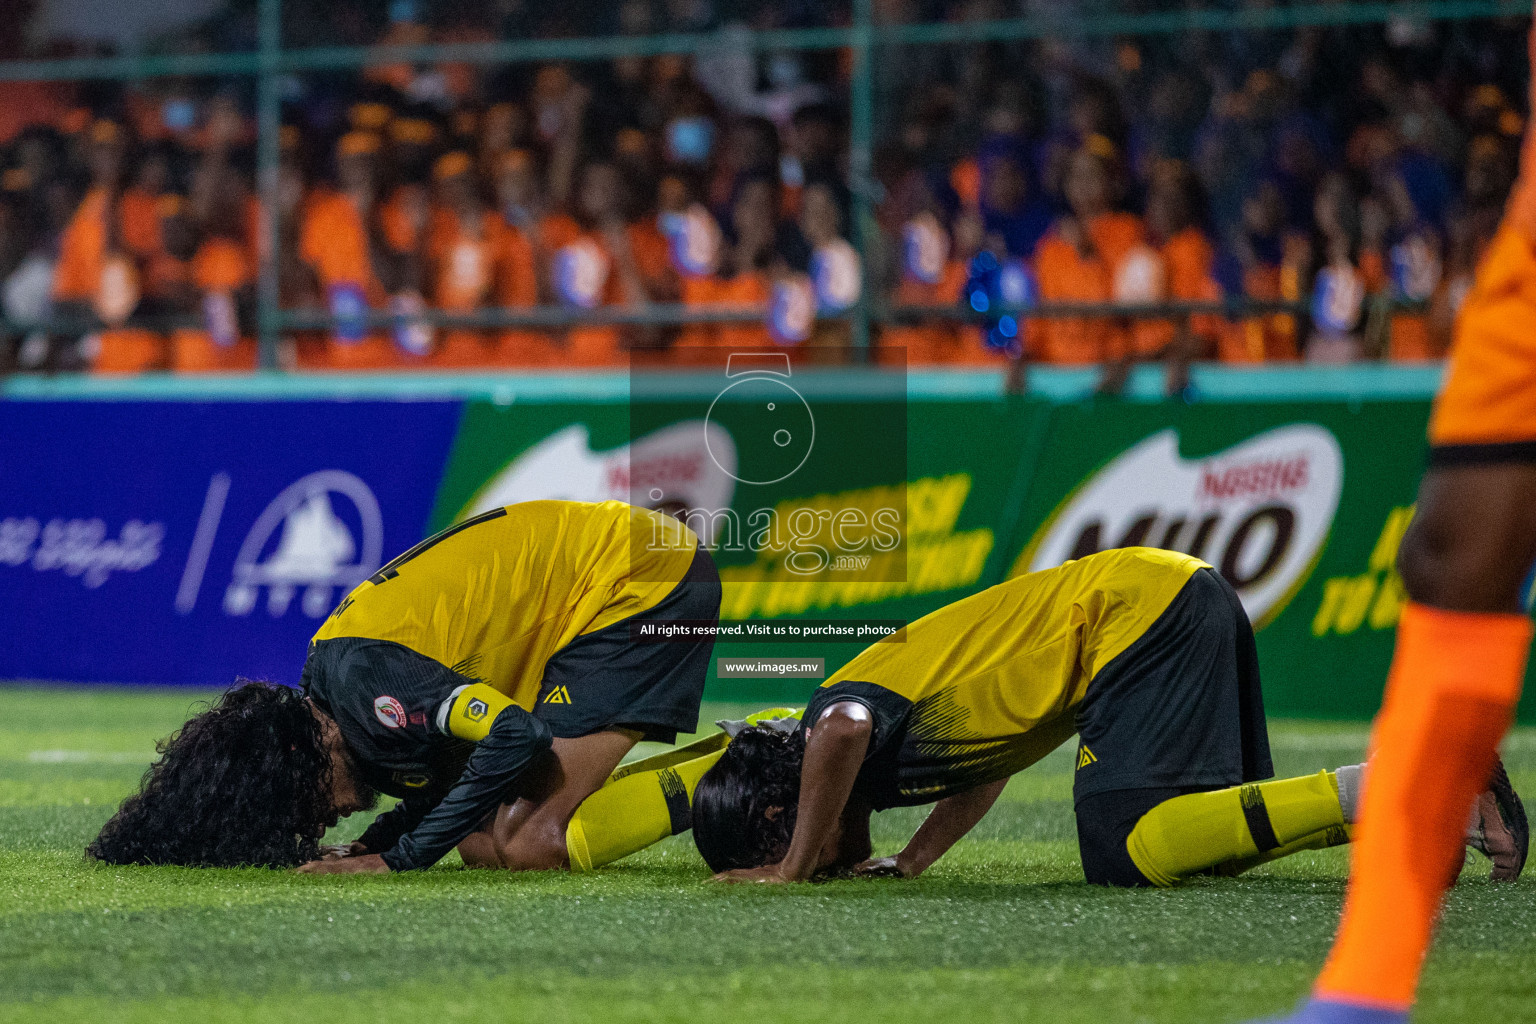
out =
column 994, row 471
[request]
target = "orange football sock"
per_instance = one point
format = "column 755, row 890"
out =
column 1451, row 695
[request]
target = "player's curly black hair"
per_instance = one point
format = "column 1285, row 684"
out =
column 245, row 782
column 758, row 771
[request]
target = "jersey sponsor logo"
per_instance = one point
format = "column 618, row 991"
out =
column 475, row 710
column 389, row 712
column 689, row 463
column 412, row 780
column 1085, row 757
column 1259, row 511
column 322, row 535
column 558, row 695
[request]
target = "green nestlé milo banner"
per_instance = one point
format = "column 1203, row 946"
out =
column 1300, row 505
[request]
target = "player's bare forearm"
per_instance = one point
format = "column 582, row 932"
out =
column 948, row 822
column 833, row 753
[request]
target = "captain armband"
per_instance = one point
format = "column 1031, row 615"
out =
column 469, row 711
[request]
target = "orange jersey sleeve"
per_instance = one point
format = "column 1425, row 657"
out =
column 1489, row 396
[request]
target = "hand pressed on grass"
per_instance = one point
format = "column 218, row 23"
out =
column 367, row 864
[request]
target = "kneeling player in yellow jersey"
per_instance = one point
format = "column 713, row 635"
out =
column 492, row 677
column 1146, row 655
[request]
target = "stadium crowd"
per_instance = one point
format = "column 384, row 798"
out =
column 1322, row 167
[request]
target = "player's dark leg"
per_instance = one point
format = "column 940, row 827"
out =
column 641, row 803
column 1163, row 836
column 1462, row 641
column 1455, row 679
column 529, row 834
column 1197, row 832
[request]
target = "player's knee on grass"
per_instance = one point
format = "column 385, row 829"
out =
column 539, row 845
column 1104, row 825
column 478, row 850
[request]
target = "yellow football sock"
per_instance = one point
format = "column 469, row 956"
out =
column 675, row 756
column 637, row 808
column 1196, row 832
column 1327, row 839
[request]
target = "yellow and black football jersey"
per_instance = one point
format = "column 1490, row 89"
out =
column 493, row 597
column 985, row 687
column 454, row 665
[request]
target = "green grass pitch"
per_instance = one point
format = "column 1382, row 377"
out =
column 1002, row 929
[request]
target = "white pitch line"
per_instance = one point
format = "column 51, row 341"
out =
column 82, row 757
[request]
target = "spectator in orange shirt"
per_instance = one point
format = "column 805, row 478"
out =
column 205, row 274
column 1255, row 267
column 464, row 251
column 934, row 270
column 1175, row 209
column 459, row 265
column 1078, row 260
column 96, row 277
column 140, row 203
column 525, row 206
column 746, row 273
column 613, row 262
column 342, row 243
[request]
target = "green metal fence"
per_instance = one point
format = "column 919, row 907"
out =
column 863, row 38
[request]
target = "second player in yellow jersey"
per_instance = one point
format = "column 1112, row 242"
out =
column 1145, row 655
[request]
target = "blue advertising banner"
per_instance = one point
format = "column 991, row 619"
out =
column 190, row 542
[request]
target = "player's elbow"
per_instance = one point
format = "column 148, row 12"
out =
column 845, row 722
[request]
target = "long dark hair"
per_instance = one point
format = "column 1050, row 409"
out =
column 758, row 771
column 245, row 782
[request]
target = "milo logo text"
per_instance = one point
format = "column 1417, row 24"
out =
column 1258, row 511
